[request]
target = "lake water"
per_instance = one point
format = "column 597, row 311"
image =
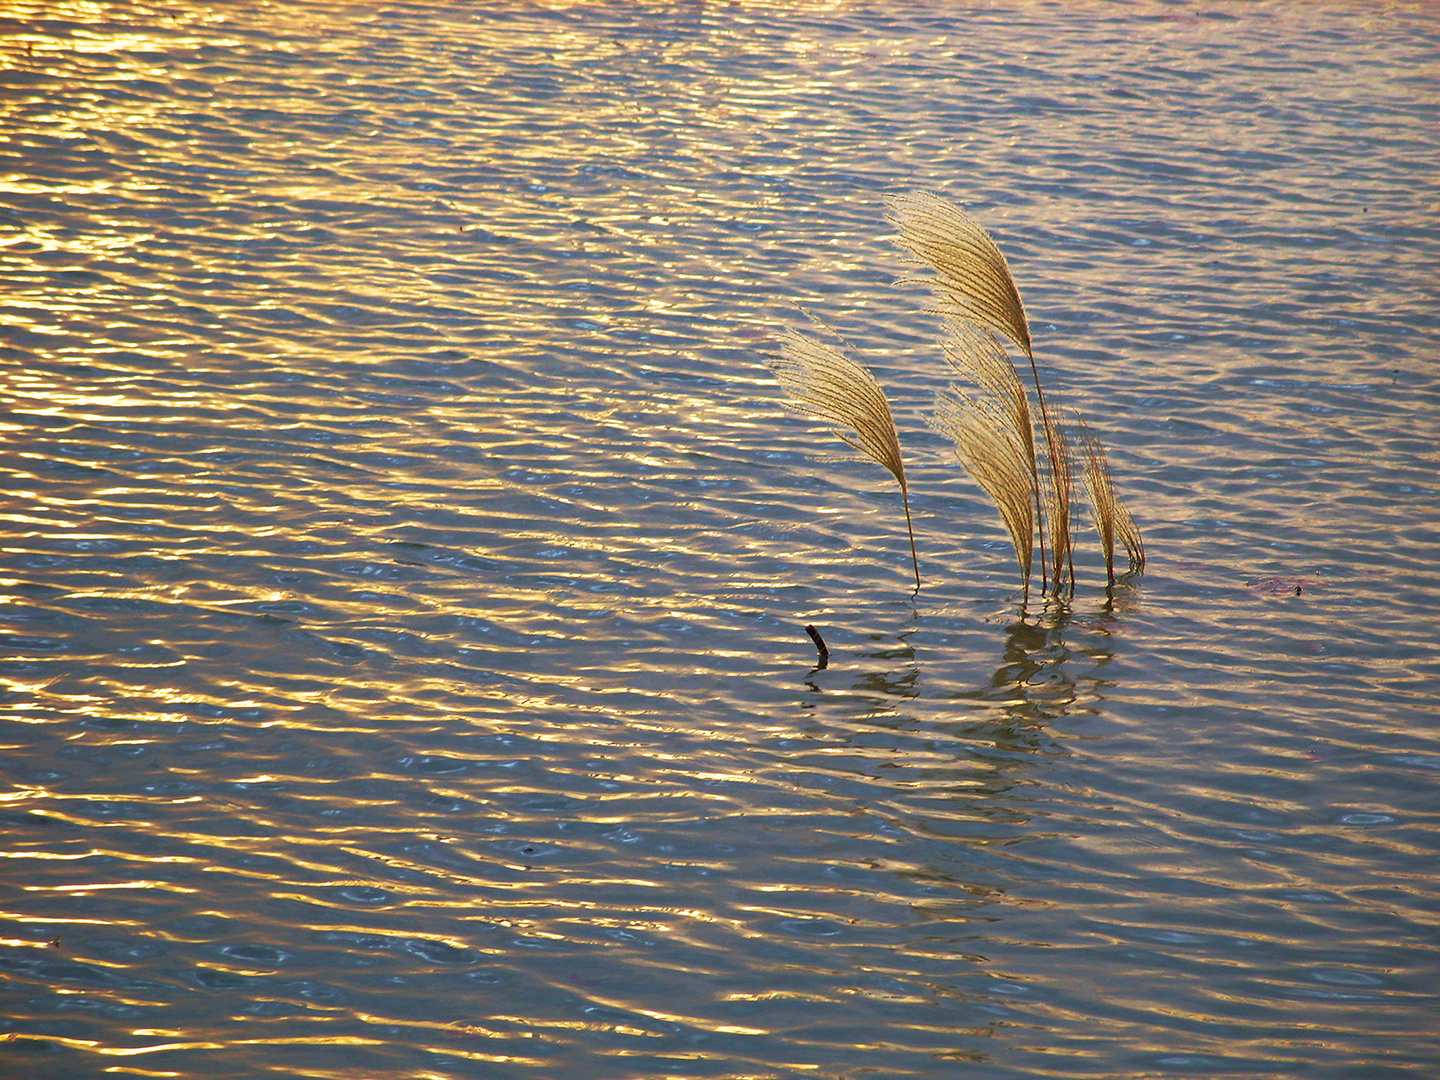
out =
column 407, row 554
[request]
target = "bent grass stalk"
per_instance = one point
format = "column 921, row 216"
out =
column 993, row 435
column 823, row 382
column 985, row 444
column 1112, row 521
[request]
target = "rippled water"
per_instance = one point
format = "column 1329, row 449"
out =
column 407, row 557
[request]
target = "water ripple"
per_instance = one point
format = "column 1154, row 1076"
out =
column 403, row 597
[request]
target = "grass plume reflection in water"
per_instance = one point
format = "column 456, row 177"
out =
column 992, row 429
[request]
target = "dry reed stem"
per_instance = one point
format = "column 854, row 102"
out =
column 1112, row 520
column 823, row 382
column 1060, row 488
column 985, row 442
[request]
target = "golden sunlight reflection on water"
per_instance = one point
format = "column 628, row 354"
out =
column 407, row 556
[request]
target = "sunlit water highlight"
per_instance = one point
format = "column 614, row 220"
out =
column 407, row 556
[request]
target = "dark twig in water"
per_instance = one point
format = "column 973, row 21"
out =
column 820, row 645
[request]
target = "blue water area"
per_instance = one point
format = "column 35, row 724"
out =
column 408, row 551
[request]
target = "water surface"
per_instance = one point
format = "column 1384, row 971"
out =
column 407, row 554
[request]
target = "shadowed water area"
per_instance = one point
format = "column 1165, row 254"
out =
column 407, row 553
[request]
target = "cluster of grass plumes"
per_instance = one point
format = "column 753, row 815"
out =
column 990, row 422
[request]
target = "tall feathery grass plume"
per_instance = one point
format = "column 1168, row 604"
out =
column 985, row 444
column 993, row 434
column 823, row 382
column 973, row 281
column 970, row 272
column 1112, row 521
column 1059, row 491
